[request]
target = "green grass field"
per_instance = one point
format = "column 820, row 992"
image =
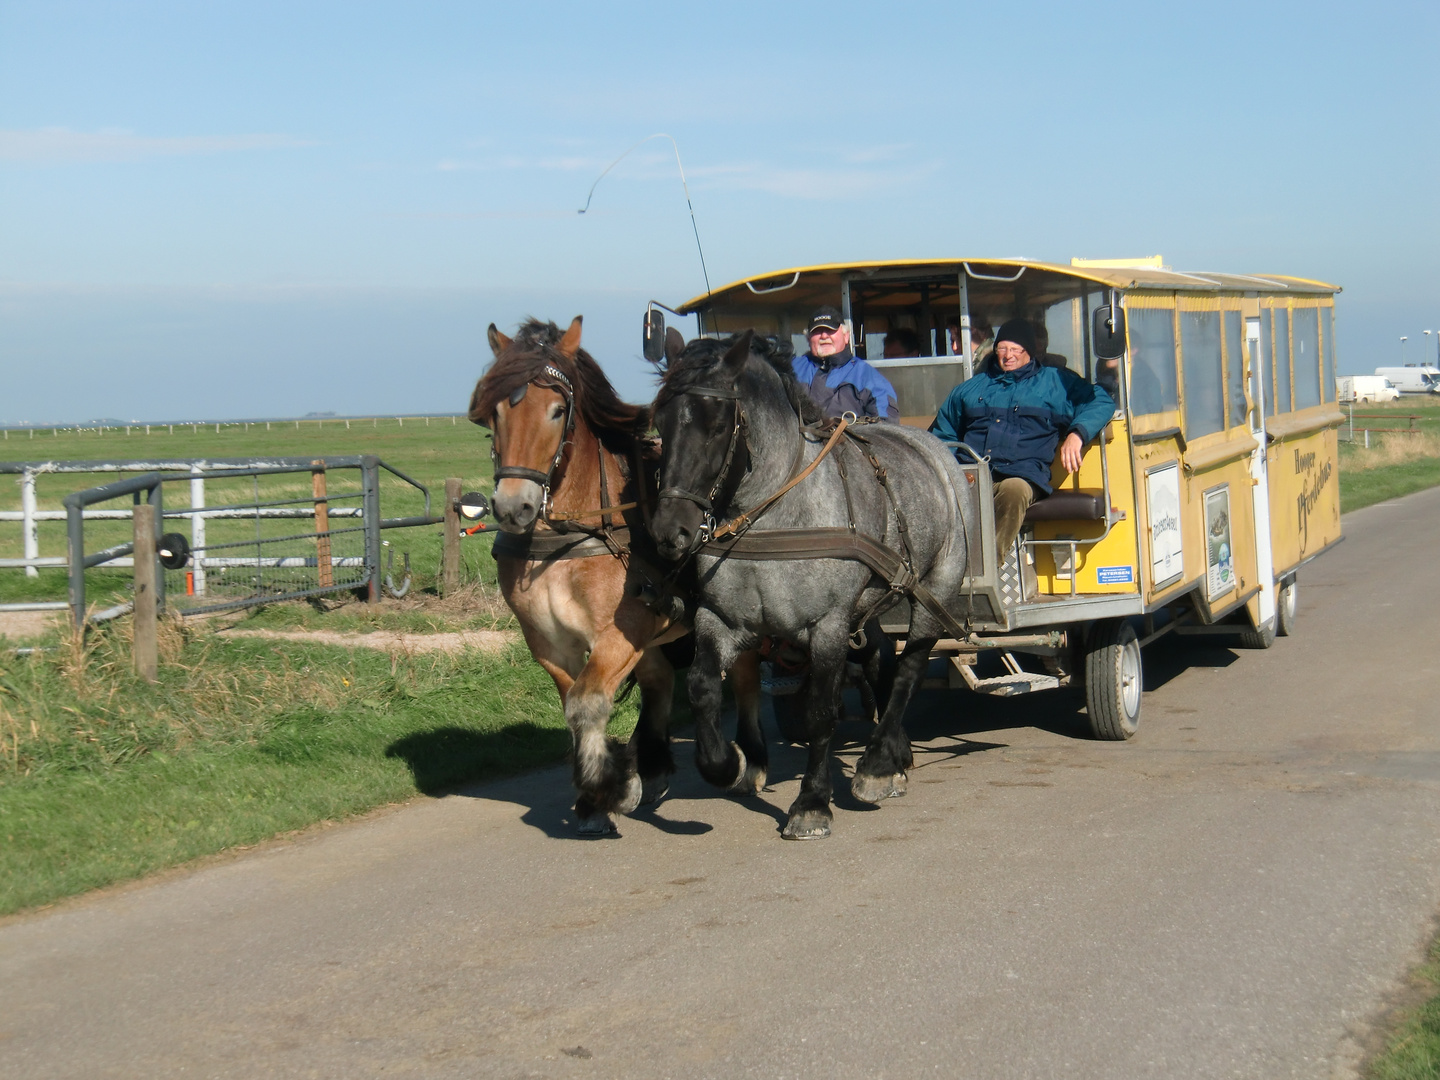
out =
column 104, row 778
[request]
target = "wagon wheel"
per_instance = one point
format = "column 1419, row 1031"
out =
column 1260, row 639
column 1285, row 609
column 1113, row 680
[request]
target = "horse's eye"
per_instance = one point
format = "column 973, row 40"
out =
column 557, row 411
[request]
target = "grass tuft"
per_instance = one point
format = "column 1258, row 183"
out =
column 1413, row 1052
column 105, row 777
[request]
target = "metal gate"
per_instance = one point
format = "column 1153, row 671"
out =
column 250, row 550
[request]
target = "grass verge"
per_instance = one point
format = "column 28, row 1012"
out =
column 1365, row 487
column 1413, row 1051
column 105, row 778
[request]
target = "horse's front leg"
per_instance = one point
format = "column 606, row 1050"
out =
column 716, row 647
column 810, row 814
column 880, row 773
column 604, row 768
column 651, row 741
column 745, row 686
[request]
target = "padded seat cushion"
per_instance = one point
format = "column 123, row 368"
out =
column 1069, row 505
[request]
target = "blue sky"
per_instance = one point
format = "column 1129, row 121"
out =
column 226, row 210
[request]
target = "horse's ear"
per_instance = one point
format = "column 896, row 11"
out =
column 738, row 353
column 498, row 341
column 674, row 344
column 570, row 343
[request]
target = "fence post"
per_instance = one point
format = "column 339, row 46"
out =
column 144, row 649
column 157, row 503
column 75, row 556
column 197, row 526
column 322, row 523
column 450, row 553
column 27, row 520
column 370, row 484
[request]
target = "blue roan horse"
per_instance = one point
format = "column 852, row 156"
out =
column 732, row 417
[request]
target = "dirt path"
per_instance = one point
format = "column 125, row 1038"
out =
column 393, row 641
column 20, row 625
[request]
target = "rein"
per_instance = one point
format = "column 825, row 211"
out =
column 737, row 539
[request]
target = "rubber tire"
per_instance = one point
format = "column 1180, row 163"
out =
column 1113, row 673
column 1259, row 639
column 1285, row 609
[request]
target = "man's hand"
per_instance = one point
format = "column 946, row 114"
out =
column 1070, row 452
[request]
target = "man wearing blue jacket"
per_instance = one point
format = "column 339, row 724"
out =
column 838, row 380
column 1015, row 411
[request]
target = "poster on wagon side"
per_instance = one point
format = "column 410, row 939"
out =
column 1219, row 562
column 1162, row 496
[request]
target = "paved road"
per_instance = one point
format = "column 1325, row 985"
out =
column 1234, row 893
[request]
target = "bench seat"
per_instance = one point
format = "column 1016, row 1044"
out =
column 1069, row 505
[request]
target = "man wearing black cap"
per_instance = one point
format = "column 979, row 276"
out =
column 1015, row 411
column 837, row 379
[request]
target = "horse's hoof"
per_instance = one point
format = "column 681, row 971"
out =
column 810, row 825
column 630, row 798
column 875, row 789
column 654, row 789
column 751, row 780
column 597, row 825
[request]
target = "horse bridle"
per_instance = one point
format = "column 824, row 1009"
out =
column 738, row 430
column 552, row 377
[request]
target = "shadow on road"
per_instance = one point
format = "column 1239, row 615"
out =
column 942, row 724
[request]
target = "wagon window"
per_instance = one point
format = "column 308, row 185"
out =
column 1153, row 384
column 1282, row 361
column 1235, row 365
column 1200, row 361
column 1327, row 381
column 1306, row 323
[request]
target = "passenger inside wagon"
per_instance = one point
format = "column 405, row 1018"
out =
column 1015, row 411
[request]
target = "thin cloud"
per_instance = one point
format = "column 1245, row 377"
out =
column 823, row 184
column 55, row 146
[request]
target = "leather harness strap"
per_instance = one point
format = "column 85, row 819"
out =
column 738, row 525
column 553, row 546
column 836, row 543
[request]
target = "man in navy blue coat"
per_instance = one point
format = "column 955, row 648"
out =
column 1015, row 411
column 837, row 379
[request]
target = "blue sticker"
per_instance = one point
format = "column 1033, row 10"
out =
column 1115, row 575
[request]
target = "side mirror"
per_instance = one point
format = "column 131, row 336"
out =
column 474, row 506
column 1108, row 334
column 653, row 345
column 174, row 551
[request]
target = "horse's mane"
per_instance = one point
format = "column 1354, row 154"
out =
column 616, row 423
column 699, row 356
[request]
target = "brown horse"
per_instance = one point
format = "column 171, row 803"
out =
column 571, row 475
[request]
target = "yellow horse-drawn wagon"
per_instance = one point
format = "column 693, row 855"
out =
column 1195, row 509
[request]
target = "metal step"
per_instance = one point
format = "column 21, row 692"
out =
column 1014, row 681
column 1010, row 685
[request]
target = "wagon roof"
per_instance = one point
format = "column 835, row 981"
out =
column 827, row 277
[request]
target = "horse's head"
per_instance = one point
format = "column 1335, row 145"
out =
column 702, row 428
column 527, row 400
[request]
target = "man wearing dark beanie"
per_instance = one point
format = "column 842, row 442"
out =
column 1015, row 411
